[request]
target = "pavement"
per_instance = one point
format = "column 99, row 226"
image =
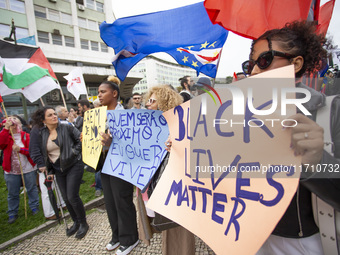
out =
column 50, row 238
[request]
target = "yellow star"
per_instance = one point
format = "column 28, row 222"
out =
column 179, row 49
column 212, row 45
column 185, row 59
column 204, row 45
column 194, row 64
column 216, row 53
column 189, row 47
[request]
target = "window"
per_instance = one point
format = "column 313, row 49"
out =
column 90, row 4
column 4, row 30
column 16, row 5
column 100, row 7
column 84, row 44
column 3, row 4
column 56, row 39
column 53, row 15
column 69, row 41
column 40, row 11
column 43, row 37
column 103, row 47
column 93, row 25
column 94, row 46
column 82, row 22
column 21, row 32
column 66, row 18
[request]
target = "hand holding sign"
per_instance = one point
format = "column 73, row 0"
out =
column 307, row 140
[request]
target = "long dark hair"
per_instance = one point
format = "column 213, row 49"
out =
column 39, row 116
column 299, row 38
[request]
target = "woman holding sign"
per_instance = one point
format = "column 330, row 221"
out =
column 176, row 240
column 298, row 44
column 61, row 150
column 118, row 194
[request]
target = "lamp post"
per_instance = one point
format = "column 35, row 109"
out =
column 10, row 39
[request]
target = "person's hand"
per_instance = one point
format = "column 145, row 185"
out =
column 8, row 124
column 106, row 139
column 70, row 117
column 307, row 139
column 81, row 137
column 50, row 177
column 15, row 148
column 168, row 145
column 43, row 169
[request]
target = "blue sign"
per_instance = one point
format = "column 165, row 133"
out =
column 137, row 148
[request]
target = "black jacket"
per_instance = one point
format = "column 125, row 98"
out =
column 69, row 143
column 299, row 216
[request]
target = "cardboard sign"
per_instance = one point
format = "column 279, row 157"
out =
column 138, row 146
column 94, row 123
column 231, row 173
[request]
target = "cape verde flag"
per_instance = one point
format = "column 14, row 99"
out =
column 186, row 33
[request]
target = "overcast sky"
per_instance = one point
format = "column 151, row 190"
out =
column 235, row 50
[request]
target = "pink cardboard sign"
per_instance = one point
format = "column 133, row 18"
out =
column 231, row 173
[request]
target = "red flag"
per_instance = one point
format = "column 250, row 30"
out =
column 325, row 16
column 39, row 59
column 252, row 18
column 235, row 76
column 1, row 100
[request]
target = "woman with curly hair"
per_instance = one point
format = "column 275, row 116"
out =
column 176, row 240
column 299, row 45
column 60, row 148
column 118, row 194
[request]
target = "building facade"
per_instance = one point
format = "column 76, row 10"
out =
column 67, row 31
column 157, row 71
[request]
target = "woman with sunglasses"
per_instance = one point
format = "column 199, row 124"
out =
column 297, row 44
column 118, row 194
column 176, row 240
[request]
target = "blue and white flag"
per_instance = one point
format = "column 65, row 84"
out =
column 186, row 33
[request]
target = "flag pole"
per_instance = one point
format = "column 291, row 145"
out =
column 21, row 171
column 62, row 94
column 42, row 102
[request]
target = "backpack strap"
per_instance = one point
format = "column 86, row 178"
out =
column 324, row 214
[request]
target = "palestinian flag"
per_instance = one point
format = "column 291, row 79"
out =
column 25, row 69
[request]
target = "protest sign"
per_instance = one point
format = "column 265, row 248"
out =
column 138, row 146
column 231, row 173
column 94, row 123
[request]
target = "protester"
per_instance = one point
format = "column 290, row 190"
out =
column 201, row 84
column 62, row 114
column 176, row 240
column 186, row 83
column 72, row 115
column 16, row 159
column 61, row 149
column 35, row 147
column 298, row 44
column 137, row 101
column 118, row 194
column 83, row 106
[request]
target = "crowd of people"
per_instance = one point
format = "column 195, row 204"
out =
column 54, row 151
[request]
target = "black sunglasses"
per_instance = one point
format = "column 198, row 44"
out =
column 264, row 60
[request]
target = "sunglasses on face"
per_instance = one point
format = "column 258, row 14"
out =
column 264, row 60
column 151, row 100
column 135, row 98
